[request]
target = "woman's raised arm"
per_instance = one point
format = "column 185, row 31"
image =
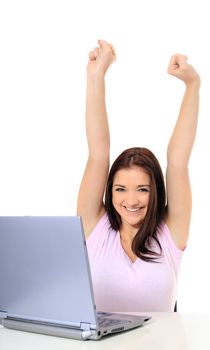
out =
column 90, row 199
column 179, row 149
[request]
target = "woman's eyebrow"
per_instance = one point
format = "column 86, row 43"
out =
column 118, row 185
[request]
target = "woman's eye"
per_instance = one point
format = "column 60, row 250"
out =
column 143, row 190
column 119, row 189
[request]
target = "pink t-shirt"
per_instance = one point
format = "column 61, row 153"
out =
column 122, row 285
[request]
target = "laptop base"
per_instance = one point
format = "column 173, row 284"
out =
column 50, row 330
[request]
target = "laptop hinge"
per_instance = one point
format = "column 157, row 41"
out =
column 3, row 314
column 85, row 326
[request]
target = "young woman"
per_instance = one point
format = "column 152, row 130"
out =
column 136, row 238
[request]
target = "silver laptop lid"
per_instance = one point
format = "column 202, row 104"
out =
column 44, row 270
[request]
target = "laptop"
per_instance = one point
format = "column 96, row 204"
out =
column 45, row 280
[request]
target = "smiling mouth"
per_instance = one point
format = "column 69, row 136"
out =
column 133, row 210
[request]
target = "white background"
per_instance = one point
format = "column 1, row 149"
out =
column 44, row 48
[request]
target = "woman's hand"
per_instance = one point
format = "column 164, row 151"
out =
column 101, row 58
column 179, row 68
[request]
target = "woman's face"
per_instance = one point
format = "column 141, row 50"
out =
column 130, row 194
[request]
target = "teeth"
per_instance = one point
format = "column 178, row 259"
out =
column 129, row 209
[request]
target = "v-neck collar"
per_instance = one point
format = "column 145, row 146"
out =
column 130, row 261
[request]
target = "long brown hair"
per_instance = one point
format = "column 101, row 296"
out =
column 143, row 158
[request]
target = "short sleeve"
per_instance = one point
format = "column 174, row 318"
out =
column 170, row 250
column 99, row 233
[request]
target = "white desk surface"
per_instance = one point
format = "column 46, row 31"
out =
column 165, row 331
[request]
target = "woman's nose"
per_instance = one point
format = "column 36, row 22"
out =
column 131, row 199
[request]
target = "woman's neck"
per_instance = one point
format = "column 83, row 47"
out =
column 128, row 232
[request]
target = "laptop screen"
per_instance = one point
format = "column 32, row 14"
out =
column 44, row 270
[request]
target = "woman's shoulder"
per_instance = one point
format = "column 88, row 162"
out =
column 165, row 238
column 100, row 235
column 101, row 228
column 101, row 224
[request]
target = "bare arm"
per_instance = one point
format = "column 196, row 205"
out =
column 179, row 150
column 90, row 199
